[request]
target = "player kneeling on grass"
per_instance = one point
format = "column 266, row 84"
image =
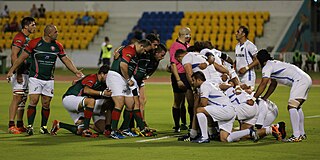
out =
column 290, row 75
column 217, row 105
column 79, row 102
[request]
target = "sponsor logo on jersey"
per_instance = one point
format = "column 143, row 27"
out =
column 18, row 41
column 39, row 44
column 53, row 48
column 129, row 55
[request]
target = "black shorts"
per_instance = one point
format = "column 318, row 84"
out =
column 174, row 83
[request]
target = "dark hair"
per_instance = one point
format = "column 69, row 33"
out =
column 145, row 42
column 27, row 21
column 191, row 49
column 263, row 56
column 199, row 46
column 106, row 38
column 179, row 52
column 161, row 47
column 245, row 30
column 104, row 69
column 199, row 75
column 152, row 37
column 208, row 44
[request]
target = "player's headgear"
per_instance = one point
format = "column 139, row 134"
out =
column 263, row 56
column 104, row 69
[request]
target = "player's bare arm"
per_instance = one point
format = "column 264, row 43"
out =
column 125, row 74
column 188, row 69
column 250, row 66
column 14, row 56
column 272, row 87
column 262, row 86
column 24, row 55
column 70, row 65
column 174, row 71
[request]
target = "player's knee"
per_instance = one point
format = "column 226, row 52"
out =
column 200, row 110
column 20, row 108
column 89, row 102
column 293, row 104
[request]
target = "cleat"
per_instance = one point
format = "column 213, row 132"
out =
column 44, row 130
column 176, row 129
column 29, row 130
column 137, row 131
column 183, row 127
column 107, row 133
column 201, row 140
column 88, row 133
column 293, row 139
column 276, row 133
column 128, row 133
column 22, row 129
column 282, row 129
column 147, row 133
column 254, row 135
column 116, row 135
column 14, row 130
column 303, row 137
column 186, row 138
column 55, row 127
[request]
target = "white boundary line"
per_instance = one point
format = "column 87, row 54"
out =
column 315, row 116
column 155, row 139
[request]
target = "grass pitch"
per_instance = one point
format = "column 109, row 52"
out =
column 158, row 114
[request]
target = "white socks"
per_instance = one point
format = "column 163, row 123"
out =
column 301, row 122
column 193, row 133
column 234, row 136
column 268, row 130
column 203, row 123
column 294, row 118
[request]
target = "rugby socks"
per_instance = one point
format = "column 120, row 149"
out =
column 191, row 112
column 301, row 122
column 268, row 130
column 45, row 112
column 138, row 117
column 203, row 123
column 127, row 116
column 234, row 136
column 87, row 117
column 19, row 124
column 31, row 114
column 11, row 124
column 183, row 114
column 115, row 118
column 294, row 118
column 176, row 116
column 69, row 127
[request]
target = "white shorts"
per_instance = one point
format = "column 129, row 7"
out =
column 267, row 113
column 38, row 86
column 225, row 116
column 118, row 85
column 71, row 104
column 248, row 78
column 98, row 113
column 21, row 88
column 246, row 113
column 300, row 89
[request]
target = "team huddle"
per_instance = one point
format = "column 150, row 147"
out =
column 218, row 90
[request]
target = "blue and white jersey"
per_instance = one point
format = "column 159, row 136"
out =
column 214, row 95
column 244, row 54
column 195, row 59
column 283, row 72
column 239, row 98
column 215, row 53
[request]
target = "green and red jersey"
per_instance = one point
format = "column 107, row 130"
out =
column 20, row 40
column 127, row 55
column 91, row 81
column 43, row 57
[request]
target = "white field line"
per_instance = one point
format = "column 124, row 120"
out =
column 315, row 116
column 155, row 139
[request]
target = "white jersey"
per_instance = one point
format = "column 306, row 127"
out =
column 214, row 95
column 215, row 53
column 283, row 73
column 195, row 60
column 244, row 54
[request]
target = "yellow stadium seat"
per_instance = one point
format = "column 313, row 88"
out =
column 213, row 37
column 169, row 43
column 229, row 29
column 72, row 29
column 221, row 37
column 215, row 29
column 206, row 37
column 222, row 29
column 68, row 44
column 8, row 43
column 76, row 44
column 259, row 31
column 198, row 37
column 207, row 29
column 199, row 21
column 200, row 29
column 266, row 16
column 184, row 22
column 2, row 43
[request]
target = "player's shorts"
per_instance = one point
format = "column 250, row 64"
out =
column 246, row 113
column 174, row 83
column 98, row 112
column 118, row 85
column 21, row 88
column 71, row 104
column 248, row 78
column 38, row 86
column 300, row 88
column 225, row 116
column 267, row 113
